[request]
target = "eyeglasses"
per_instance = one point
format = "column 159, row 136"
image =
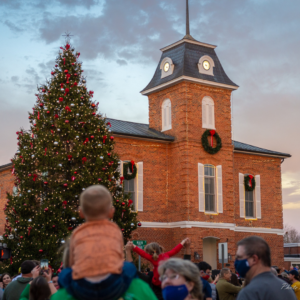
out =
column 171, row 277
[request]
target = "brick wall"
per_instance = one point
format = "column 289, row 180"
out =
column 269, row 169
column 6, row 185
column 170, row 174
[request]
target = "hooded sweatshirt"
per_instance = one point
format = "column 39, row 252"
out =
column 14, row 290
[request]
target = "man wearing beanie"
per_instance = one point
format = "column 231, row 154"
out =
column 14, row 290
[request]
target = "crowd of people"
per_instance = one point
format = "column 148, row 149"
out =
column 106, row 272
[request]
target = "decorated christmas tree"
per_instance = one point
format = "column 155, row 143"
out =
column 69, row 147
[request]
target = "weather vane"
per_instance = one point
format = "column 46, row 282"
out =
column 67, row 36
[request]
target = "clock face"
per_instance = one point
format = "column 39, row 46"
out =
column 166, row 67
column 206, row 65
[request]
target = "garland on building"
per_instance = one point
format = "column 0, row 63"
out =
column 249, row 183
column 129, row 166
column 209, row 147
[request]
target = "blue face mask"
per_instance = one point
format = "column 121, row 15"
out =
column 242, row 266
column 178, row 292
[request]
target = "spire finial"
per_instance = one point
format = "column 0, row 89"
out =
column 188, row 35
column 187, row 18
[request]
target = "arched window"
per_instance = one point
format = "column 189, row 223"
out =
column 166, row 115
column 208, row 113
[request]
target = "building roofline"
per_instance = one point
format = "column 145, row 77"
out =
column 261, row 153
column 258, row 152
column 185, row 40
column 191, row 79
column 6, row 166
column 139, row 137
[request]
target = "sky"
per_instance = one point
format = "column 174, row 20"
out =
column 119, row 41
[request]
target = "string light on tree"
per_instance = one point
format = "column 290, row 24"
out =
column 68, row 147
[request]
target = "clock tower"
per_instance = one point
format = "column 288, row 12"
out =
column 189, row 94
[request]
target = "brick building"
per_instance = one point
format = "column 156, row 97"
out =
column 291, row 255
column 180, row 189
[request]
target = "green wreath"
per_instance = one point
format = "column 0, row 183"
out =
column 125, row 171
column 247, row 185
column 207, row 147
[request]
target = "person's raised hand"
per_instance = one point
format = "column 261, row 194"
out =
column 48, row 274
column 129, row 246
column 36, row 272
column 184, row 241
column 187, row 243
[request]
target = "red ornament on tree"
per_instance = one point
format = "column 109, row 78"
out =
column 46, row 209
column 70, row 228
column 53, row 226
column 73, row 178
column 66, row 71
column 139, row 224
column 65, row 184
column 112, row 138
column 123, row 203
column 21, row 236
column 41, row 250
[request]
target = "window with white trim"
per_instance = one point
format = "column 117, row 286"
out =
column 166, row 115
column 129, row 188
column 15, row 191
column 134, row 187
column 250, row 201
column 209, row 188
column 208, row 113
column 249, row 204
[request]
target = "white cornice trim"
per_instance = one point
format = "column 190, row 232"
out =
column 181, row 78
column 260, row 154
column 230, row 226
column 188, row 41
column 292, row 259
column 288, row 245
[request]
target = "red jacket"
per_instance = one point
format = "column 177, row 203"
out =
column 155, row 263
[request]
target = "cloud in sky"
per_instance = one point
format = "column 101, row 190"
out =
column 119, row 43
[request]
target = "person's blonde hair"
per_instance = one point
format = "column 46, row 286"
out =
column 186, row 269
column 95, row 200
column 65, row 250
column 154, row 249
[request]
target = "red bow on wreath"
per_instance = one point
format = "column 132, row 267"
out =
column 29, row 228
column 130, row 202
column 250, row 180
column 212, row 133
column 67, row 108
column 122, row 178
column 132, row 165
column 83, row 160
column 34, row 177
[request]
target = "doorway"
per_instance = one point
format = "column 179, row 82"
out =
column 210, row 251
